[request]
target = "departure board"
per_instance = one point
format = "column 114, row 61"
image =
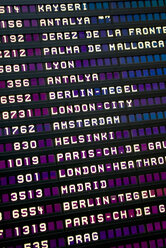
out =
column 82, row 124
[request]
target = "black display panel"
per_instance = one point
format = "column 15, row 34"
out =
column 82, row 124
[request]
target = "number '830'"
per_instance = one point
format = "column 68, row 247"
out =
column 25, row 145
